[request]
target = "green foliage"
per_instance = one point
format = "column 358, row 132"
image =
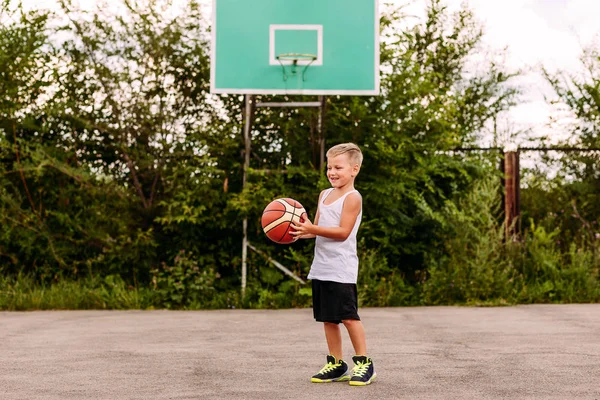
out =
column 581, row 93
column 473, row 265
column 289, row 294
column 479, row 266
column 24, row 57
column 572, row 196
column 23, row 292
column 381, row 286
column 431, row 104
column 269, row 288
column 183, row 285
column 554, row 277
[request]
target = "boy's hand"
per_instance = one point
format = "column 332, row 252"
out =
column 302, row 230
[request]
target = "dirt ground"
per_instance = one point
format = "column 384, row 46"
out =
column 524, row 352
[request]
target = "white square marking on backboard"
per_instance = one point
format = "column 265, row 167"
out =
column 273, row 28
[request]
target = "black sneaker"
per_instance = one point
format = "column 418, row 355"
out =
column 363, row 373
column 333, row 371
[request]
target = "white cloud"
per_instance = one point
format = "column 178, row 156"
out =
column 582, row 18
column 551, row 33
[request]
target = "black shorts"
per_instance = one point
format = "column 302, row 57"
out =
column 334, row 301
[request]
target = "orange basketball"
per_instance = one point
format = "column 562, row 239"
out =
column 277, row 219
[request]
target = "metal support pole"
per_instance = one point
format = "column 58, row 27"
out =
column 275, row 263
column 291, row 104
column 249, row 106
column 248, row 100
column 321, row 132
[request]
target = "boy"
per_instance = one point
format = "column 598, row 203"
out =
column 335, row 266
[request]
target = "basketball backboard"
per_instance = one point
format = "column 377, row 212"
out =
column 312, row 47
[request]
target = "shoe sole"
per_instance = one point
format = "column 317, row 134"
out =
column 359, row 383
column 344, row 378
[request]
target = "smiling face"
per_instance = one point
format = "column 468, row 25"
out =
column 340, row 171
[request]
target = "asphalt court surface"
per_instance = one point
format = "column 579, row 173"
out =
column 523, row 352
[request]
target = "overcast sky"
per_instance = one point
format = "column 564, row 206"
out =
column 535, row 32
column 551, row 33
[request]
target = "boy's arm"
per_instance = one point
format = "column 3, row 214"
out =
column 350, row 211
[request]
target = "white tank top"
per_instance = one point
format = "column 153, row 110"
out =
column 335, row 260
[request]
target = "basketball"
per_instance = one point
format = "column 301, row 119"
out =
column 277, row 219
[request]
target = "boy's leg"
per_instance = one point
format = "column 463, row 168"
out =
column 364, row 372
column 333, row 335
column 356, row 332
column 335, row 370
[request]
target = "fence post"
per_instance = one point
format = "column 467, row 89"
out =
column 512, row 192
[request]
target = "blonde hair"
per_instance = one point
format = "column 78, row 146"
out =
column 354, row 154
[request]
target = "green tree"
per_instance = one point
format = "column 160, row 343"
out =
column 135, row 93
column 431, row 104
column 24, row 83
column 571, row 198
column 131, row 162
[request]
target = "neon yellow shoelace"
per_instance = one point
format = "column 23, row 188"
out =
column 328, row 367
column 361, row 368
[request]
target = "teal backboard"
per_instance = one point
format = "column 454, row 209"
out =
column 311, row 47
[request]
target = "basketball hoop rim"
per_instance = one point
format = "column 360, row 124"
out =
column 296, row 57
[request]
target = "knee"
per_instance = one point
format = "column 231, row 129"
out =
column 350, row 322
